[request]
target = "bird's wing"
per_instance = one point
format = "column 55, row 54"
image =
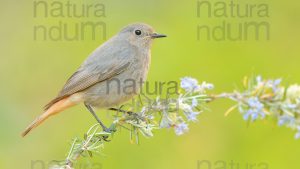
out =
column 107, row 61
column 82, row 80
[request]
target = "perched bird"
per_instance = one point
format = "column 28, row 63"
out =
column 101, row 80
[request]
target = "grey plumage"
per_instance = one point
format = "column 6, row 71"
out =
column 126, row 56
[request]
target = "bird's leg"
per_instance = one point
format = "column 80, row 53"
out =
column 96, row 117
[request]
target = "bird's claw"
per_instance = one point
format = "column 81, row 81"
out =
column 107, row 130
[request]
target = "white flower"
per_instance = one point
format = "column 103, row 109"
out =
column 254, row 103
column 194, row 102
column 206, row 85
column 297, row 135
column 166, row 122
column 286, row 120
column 293, row 92
column 181, row 128
column 259, row 79
column 189, row 84
column 255, row 110
column 185, row 107
column 192, row 116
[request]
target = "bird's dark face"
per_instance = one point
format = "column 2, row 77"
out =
column 140, row 34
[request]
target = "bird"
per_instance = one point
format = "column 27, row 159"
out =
column 101, row 79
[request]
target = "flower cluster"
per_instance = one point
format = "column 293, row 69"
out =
column 262, row 97
column 259, row 99
column 190, row 102
column 169, row 112
column 158, row 113
column 255, row 109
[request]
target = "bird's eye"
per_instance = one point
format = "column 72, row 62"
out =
column 138, row 32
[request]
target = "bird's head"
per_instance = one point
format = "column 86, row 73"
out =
column 140, row 34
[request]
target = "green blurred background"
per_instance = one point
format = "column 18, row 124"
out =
column 32, row 72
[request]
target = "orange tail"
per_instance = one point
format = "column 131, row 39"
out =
column 54, row 109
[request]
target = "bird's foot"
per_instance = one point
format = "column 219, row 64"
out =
column 108, row 130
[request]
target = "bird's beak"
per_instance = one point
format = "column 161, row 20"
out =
column 156, row 35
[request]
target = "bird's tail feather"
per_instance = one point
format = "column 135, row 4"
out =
column 54, row 109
